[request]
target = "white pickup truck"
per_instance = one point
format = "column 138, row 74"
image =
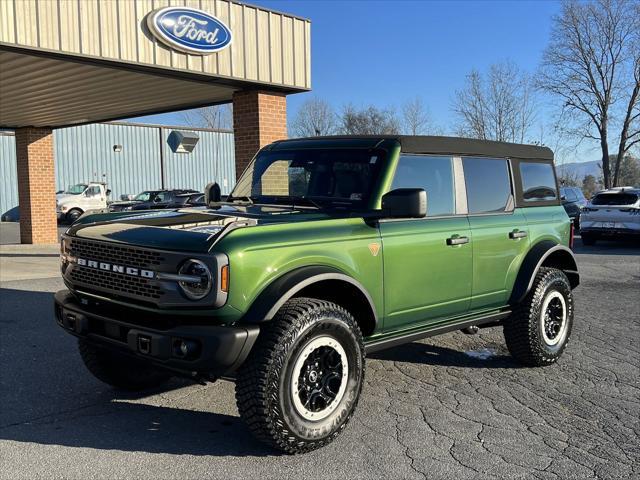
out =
column 80, row 198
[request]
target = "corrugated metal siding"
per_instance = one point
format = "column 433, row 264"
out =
column 213, row 159
column 264, row 41
column 86, row 153
column 8, row 174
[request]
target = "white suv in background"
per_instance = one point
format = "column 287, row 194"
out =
column 611, row 214
column 80, row 198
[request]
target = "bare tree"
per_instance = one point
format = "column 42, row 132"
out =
column 416, row 119
column 314, row 117
column 370, row 120
column 593, row 65
column 498, row 106
column 217, row 117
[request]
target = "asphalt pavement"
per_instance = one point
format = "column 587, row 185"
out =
column 453, row 406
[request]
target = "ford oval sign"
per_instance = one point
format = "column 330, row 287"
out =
column 189, row 30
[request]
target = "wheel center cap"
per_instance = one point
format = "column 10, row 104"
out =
column 313, row 376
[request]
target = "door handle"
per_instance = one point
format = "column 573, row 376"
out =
column 516, row 234
column 457, row 241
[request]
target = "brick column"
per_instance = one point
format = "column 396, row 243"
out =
column 36, row 185
column 259, row 118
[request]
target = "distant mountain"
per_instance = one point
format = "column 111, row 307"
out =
column 579, row 170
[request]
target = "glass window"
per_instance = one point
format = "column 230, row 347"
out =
column 614, row 199
column 569, row 194
column 162, row 197
column 93, row 191
column 434, row 174
column 488, row 184
column 76, row 189
column 323, row 177
column 579, row 194
column 143, row 197
column 538, row 181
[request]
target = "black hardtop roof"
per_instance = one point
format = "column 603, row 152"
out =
column 421, row 144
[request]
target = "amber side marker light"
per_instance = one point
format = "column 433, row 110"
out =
column 224, row 278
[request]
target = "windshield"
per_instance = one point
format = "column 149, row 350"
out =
column 144, row 196
column 615, row 199
column 76, row 189
column 318, row 177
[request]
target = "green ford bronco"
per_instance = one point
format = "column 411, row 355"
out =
column 327, row 248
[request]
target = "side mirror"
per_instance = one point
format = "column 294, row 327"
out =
column 212, row 194
column 563, row 197
column 108, row 192
column 405, row 203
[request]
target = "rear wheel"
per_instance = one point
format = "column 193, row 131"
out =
column 120, row 371
column 300, row 386
column 539, row 329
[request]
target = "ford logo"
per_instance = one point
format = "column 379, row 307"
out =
column 189, row 30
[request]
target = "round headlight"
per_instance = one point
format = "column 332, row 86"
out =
column 196, row 289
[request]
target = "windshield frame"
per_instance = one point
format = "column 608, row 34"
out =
column 370, row 200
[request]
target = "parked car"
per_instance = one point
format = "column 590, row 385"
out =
column 151, row 199
column 80, row 198
column 327, row 248
column 611, row 215
column 573, row 201
column 189, row 200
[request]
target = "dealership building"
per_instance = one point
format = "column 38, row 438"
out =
column 73, row 63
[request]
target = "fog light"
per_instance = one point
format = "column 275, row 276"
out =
column 185, row 348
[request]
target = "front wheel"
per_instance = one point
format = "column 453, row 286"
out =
column 299, row 387
column 538, row 330
column 73, row 215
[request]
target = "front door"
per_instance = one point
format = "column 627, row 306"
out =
column 428, row 261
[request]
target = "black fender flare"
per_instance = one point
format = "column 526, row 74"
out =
column 547, row 250
column 276, row 294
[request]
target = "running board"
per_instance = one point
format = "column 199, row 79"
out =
column 384, row 343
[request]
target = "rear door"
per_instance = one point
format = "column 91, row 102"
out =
column 499, row 232
column 427, row 261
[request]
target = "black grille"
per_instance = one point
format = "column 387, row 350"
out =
column 113, row 253
column 116, row 282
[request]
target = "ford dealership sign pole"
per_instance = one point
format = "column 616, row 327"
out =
column 189, row 30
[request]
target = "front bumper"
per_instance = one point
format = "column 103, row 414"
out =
column 216, row 350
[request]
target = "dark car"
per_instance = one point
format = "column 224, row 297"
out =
column 151, row 199
column 573, row 202
column 189, row 200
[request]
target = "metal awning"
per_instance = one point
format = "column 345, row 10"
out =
column 41, row 91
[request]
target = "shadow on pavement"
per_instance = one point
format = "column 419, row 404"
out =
column 607, row 247
column 49, row 398
column 424, row 354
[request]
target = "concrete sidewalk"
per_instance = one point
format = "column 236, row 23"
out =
column 28, row 262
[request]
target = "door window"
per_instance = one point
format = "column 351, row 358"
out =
column 488, row 185
column 433, row 174
column 92, row 191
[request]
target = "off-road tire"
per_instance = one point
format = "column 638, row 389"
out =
column 588, row 240
column 120, row 371
column 523, row 330
column 264, row 383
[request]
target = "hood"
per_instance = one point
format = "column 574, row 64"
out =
column 194, row 229
column 125, row 203
column 62, row 196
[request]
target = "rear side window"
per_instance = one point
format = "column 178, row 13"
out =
column 614, row 199
column 434, row 174
column 538, row 181
column 488, row 185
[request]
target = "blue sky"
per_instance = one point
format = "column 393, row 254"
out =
column 386, row 52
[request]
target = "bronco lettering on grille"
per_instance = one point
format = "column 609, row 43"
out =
column 110, row 267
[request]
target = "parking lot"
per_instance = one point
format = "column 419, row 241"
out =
column 454, row 406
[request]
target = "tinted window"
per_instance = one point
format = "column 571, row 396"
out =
column 434, row 174
column 579, row 194
column 538, row 181
column 93, row 191
column 615, row 199
column 488, row 184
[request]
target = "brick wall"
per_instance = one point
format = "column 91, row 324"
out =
column 36, row 185
column 259, row 118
